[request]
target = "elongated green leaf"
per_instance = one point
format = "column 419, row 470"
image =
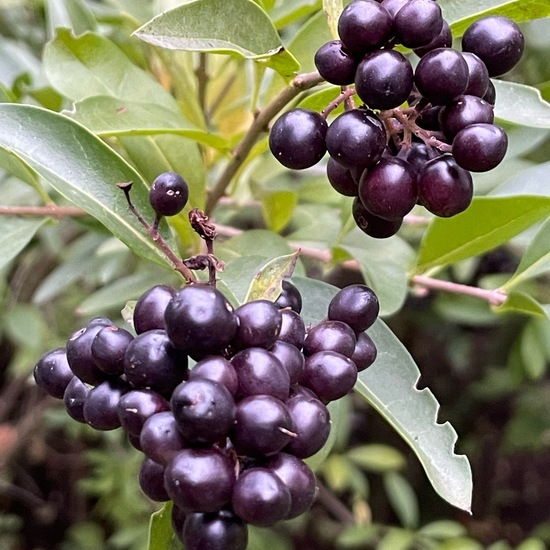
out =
column 486, row 224
column 91, row 65
column 238, row 27
column 278, row 208
column 535, row 260
column 460, row 14
column 288, row 12
column 15, row 235
column 161, row 534
column 385, row 266
column 519, row 302
column 389, row 385
column 333, row 9
column 521, row 104
column 531, row 181
column 72, row 14
column 82, row 168
column 109, row 116
column 267, row 282
column 16, row 167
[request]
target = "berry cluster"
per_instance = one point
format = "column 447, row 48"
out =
column 224, row 440
column 388, row 157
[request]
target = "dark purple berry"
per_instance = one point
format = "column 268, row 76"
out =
column 466, row 110
column 429, row 118
column 169, row 194
column 52, row 373
column 417, row 155
column 441, row 75
column 384, row 79
column 150, row 308
column 151, row 480
column 293, row 329
column 365, row 352
column 443, row 40
column 290, row 357
column 335, row 64
column 101, row 405
column 388, row 190
column 218, row 369
column 497, row 41
column 260, row 497
column 74, row 398
column 200, row 480
column 160, row 438
column 417, row 23
column 289, row 297
column 298, row 478
column 478, row 80
column 372, row 225
column 330, row 335
column 200, row 320
column 297, row 138
column 259, row 324
column 444, row 188
column 260, row 372
column 364, row 25
column 204, row 411
column 220, row 530
column 263, row 426
column 355, row 305
column 341, row 178
column 329, row 374
column 356, row 138
column 109, row 348
column 491, row 94
column 136, row 406
column 480, row 147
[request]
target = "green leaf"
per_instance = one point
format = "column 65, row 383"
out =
column 73, row 14
column 161, row 534
column 377, row 458
column 384, row 264
column 443, row 529
column 521, row 104
column 333, row 9
column 531, row 181
column 267, row 282
column 82, row 168
column 16, row 167
column 402, row 498
column 109, row 116
column 535, row 260
column 486, row 224
column 460, row 14
column 238, row 27
column 278, row 209
column 319, row 100
column 91, row 65
column 389, row 385
column 519, row 302
column 335, row 410
column 15, row 235
column 286, row 13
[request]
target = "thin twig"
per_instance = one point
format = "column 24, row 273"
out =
column 345, row 94
column 52, row 210
column 299, row 84
column 334, row 505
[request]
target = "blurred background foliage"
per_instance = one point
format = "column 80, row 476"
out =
column 64, row 486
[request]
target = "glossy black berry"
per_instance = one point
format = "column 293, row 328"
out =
column 297, row 138
column 417, row 155
column 491, row 94
column 260, row 372
column 341, row 178
column 298, row 478
column 355, row 305
column 152, row 362
column 480, row 147
column 218, row 369
column 260, row 497
column 497, row 41
column 74, row 398
column 372, row 225
column 417, row 23
column 478, row 80
column 169, row 194
column 109, row 348
column 220, row 530
column 200, row 320
column 290, row 357
column 150, row 308
column 52, row 373
column 160, row 438
column 200, row 480
column 289, row 297
column 204, row 411
column 293, row 329
column 364, row 25
column 444, row 188
column 356, row 138
column 443, row 40
column 136, row 406
column 466, row 110
column 335, row 64
column 365, row 352
column 151, row 480
column 259, row 324
column 329, row 374
column 388, row 190
column 330, row 335
column 263, row 426
column 441, row 75
column 384, row 79
column 311, row 425
column 101, row 405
